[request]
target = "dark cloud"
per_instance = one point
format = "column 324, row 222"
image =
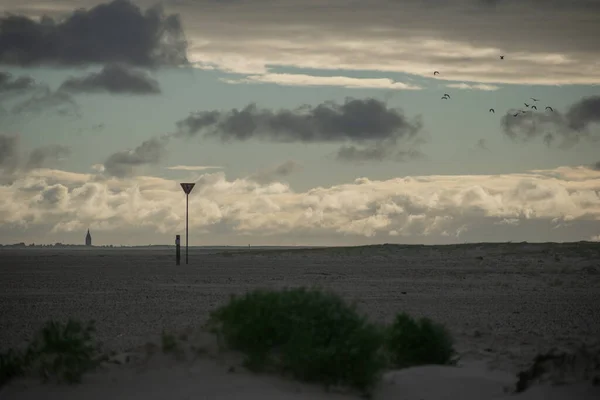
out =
column 377, row 152
column 8, row 152
column 10, row 84
column 482, row 144
column 40, row 97
column 359, row 121
column 39, row 157
column 583, row 113
column 356, row 120
column 280, row 171
column 286, row 168
column 113, row 78
column 576, row 124
column 112, row 32
column 12, row 161
column 123, row 163
column 62, row 102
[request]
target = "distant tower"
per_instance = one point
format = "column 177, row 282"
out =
column 88, row 239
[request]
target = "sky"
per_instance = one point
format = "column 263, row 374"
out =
column 301, row 122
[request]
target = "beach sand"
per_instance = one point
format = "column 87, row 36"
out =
column 504, row 304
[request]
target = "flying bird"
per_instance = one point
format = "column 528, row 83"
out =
column 444, row 98
column 516, row 115
column 534, row 99
column 534, row 107
column 502, row 57
column 447, row 95
column 436, row 72
column 549, row 108
column 526, row 105
column 492, row 110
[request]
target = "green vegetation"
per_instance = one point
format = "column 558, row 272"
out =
column 411, row 342
column 308, row 334
column 316, row 337
column 63, row 351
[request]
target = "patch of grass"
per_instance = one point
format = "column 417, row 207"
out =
column 411, row 342
column 313, row 335
column 168, row 342
column 64, row 351
column 11, row 365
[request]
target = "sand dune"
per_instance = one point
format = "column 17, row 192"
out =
column 504, row 303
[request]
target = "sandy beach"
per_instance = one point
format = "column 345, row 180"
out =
column 504, row 303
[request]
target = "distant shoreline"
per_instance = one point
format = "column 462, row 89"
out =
column 275, row 247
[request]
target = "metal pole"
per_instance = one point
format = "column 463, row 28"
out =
column 177, row 250
column 186, row 227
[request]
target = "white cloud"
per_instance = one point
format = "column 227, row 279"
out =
column 479, row 86
column 310, row 80
column 193, row 167
column 463, row 39
column 405, row 207
column 413, row 55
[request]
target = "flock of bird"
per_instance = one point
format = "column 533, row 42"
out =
column 532, row 107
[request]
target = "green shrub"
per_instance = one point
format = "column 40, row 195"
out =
column 313, row 335
column 168, row 342
column 65, row 351
column 12, row 365
column 411, row 342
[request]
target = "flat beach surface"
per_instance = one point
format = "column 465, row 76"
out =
column 504, row 303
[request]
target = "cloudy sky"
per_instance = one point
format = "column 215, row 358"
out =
column 302, row 122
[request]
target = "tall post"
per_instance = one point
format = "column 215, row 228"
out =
column 187, row 188
column 187, row 204
column 177, row 250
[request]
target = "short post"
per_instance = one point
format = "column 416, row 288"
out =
column 187, row 188
column 177, row 249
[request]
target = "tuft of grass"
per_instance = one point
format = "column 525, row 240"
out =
column 61, row 350
column 410, row 342
column 312, row 335
column 11, row 365
column 168, row 342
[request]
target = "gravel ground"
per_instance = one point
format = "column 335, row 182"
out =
column 503, row 302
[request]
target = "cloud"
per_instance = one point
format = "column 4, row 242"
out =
column 375, row 152
column 125, row 163
column 8, row 84
column 482, row 144
column 274, row 173
column 39, row 156
column 8, row 152
column 112, row 32
column 360, row 121
column 463, row 39
column 311, row 80
column 479, row 86
column 115, row 79
column 41, row 97
column 46, row 100
column 578, row 123
column 192, row 167
column 420, row 208
column 13, row 162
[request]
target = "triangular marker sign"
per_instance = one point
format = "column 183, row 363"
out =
column 187, row 187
